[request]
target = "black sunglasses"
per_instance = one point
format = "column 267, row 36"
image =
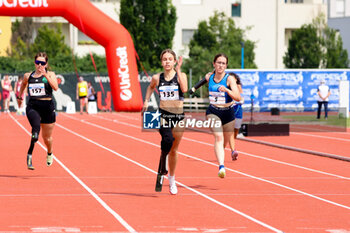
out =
column 40, row 62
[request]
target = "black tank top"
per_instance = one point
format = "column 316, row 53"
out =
column 169, row 90
column 39, row 87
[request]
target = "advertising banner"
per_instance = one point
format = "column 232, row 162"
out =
column 289, row 90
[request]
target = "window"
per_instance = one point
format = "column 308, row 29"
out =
column 287, row 36
column 293, row 1
column 236, row 9
column 84, row 39
column 340, row 8
column 187, row 35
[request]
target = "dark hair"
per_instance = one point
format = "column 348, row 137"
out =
column 238, row 79
column 220, row 55
column 44, row 55
column 167, row 51
column 41, row 54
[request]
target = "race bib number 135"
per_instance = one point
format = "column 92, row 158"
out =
column 169, row 92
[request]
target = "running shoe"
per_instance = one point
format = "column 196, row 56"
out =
column 234, row 155
column 222, row 172
column 173, row 189
column 49, row 160
column 29, row 162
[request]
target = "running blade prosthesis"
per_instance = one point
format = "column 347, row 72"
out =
column 161, row 173
column 29, row 162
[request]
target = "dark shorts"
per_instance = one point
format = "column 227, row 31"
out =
column 45, row 109
column 171, row 118
column 82, row 97
column 226, row 114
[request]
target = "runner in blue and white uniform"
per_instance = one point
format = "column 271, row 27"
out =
column 223, row 91
column 238, row 111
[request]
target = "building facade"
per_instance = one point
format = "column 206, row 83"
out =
column 5, row 35
column 339, row 19
column 271, row 23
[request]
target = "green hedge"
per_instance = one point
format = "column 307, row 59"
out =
column 62, row 64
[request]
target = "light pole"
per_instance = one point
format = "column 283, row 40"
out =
column 242, row 55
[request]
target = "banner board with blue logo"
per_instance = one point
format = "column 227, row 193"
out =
column 289, row 90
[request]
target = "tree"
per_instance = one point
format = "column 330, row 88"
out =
column 218, row 35
column 316, row 45
column 151, row 24
column 304, row 48
column 50, row 41
column 22, row 33
column 336, row 56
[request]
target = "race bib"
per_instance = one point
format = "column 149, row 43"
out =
column 36, row 89
column 169, row 92
column 217, row 97
column 82, row 90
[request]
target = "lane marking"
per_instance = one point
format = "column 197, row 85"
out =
column 321, row 136
column 246, row 153
column 109, row 209
column 179, row 183
column 207, row 162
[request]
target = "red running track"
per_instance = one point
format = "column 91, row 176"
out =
column 103, row 178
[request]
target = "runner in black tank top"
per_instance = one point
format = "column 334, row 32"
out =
column 41, row 107
column 172, row 83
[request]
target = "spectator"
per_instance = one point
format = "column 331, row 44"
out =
column 82, row 92
column 18, row 84
column 91, row 92
column 323, row 92
column 6, row 89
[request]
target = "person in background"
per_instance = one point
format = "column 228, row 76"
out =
column 18, row 85
column 223, row 91
column 41, row 109
column 82, row 92
column 323, row 93
column 238, row 118
column 91, row 93
column 6, row 89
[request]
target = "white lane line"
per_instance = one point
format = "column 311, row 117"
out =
column 310, row 135
column 92, row 193
column 181, row 184
column 277, row 161
column 313, row 130
column 252, row 155
column 320, row 136
column 207, row 162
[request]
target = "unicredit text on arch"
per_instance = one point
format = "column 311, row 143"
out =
column 23, row 3
column 124, row 77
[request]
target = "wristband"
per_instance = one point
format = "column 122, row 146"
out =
column 19, row 98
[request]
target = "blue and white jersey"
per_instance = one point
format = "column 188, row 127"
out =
column 216, row 96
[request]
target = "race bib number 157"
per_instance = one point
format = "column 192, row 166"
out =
column 36, row 89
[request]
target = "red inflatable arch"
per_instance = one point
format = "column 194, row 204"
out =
column 120, row 51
